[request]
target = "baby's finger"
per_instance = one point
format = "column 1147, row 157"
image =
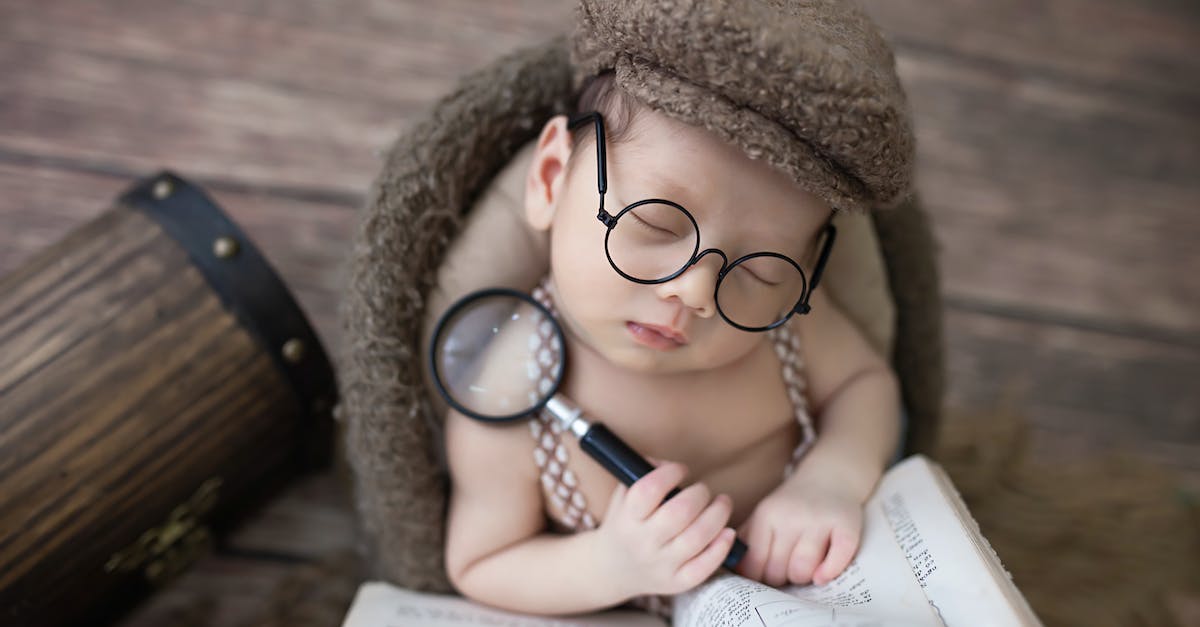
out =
column 776, row 571
column 697, row 535
column 843, row 545
column 647, row 493
column 615, row 499
column 755, row 561
column 676, row 514
column 694, row 571
column 808, row 552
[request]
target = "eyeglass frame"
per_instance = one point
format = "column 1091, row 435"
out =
column 610, row 222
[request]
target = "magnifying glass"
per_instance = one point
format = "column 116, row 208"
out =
column 501, row 321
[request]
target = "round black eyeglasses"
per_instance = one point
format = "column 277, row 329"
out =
column 655, row 240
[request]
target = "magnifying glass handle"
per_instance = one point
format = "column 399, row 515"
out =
column 627, row 466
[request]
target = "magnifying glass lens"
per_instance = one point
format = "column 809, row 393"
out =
column 497, row 356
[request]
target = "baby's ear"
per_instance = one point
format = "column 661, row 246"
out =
column 546, row 182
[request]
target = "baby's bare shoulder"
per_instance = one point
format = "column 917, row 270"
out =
column 834, row 350
column 495, row 500
column 495, row 383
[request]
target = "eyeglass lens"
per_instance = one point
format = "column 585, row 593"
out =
column 651, row 241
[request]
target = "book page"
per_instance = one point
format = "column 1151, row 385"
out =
column 876, row 589
column 380, row 604
column 958, row 570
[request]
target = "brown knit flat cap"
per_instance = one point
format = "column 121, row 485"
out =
column 810, row 86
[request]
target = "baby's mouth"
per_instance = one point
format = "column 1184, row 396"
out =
column 656, row 336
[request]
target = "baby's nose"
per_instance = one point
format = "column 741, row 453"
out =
column 696, row 287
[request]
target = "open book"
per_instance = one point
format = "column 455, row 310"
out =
column 922, row 561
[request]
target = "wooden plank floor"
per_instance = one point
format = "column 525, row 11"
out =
column 1058, row 147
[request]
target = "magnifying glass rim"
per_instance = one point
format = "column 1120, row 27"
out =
column 461, row 304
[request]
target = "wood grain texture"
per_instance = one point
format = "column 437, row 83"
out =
column 1058, row 153
column 310, row 520
column 253, row 99
column 1058, row 198
column 1109, row 391
column 220, row 590
column 126, row 386
column 307, row 524
column 1131, row 46
column 305, row 239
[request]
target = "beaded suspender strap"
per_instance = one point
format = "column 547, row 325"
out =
column 787, row 348
column 558, row 481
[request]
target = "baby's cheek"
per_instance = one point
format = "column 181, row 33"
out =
column 577, row 243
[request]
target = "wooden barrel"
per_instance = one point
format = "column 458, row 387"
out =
column 157, row 380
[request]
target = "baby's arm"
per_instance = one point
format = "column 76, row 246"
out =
column 809, row 527
column 854, row 396
column 497, row 551
column 496, row 548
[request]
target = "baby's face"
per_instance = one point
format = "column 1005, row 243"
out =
column 741, row 206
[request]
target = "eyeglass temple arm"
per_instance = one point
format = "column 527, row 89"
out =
column 601, row 160
column 819, row 269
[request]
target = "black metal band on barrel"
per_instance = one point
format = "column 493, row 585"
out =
column 249, row 288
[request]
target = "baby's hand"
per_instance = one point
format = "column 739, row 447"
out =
column 802, row 532
column 652, row 547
